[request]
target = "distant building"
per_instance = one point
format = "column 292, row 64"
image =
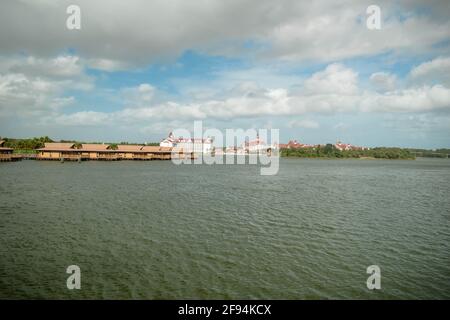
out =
column 294, row 144
column 168, row 142
column 218, row 151
column 231, row 150
column 188, row 145
column 347, row 146
column 256, row 146
column 195, row 145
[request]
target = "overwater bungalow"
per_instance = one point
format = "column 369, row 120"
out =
column 6, row 154
column 91, row 151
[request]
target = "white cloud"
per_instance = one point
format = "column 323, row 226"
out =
column 338, row 31
column 30, row 85
column 383, row 81
column 18, row 93
column 136, row 97
column 436, row 70
column 333, row 90
column 80, row 119
column 335, row 79
column 426, row 68
column 306, row 123
column 108, row 65
column 61, row 67
column 422, row 99
column 116, row 34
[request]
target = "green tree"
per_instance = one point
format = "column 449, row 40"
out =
column 113, row 146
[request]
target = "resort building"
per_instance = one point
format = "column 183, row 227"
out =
column 90, row 151
column 231, row 150
column 218, row 151
column 188, row 145
column 195, row 145
column 257, row 146
column 294, row 144
column 346, row 146
column 168, row 142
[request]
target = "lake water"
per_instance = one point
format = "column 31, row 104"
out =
column 154, row 230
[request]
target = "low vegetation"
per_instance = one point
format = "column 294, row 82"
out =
column 26, row 145
column 438, row 153
column 330, row 151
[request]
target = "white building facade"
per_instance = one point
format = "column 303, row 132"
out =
column 189, row 145
column 256, row 146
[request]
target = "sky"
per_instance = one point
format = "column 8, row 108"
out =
column 138, row 69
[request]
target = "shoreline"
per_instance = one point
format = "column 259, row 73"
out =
column 349, row 158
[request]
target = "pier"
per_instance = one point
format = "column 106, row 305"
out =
column 9, row 157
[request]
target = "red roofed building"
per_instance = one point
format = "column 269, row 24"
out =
column 255, row 146
column 347, row 146
column 294, row 144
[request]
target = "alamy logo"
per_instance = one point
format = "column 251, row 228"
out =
column 73, row 21
column 74, row 280
column 373, row 21
column 374, row 280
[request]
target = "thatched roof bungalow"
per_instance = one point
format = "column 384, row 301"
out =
column 6, row 154
column 92, row 151
column 4, row 150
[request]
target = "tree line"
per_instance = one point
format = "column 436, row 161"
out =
column 26, row 144
column 330, row 151
column 438, row 153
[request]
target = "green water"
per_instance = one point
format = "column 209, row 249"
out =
column 154, row 230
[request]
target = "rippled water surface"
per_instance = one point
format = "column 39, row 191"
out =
column 154, row 230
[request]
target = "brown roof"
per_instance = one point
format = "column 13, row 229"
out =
column 2, row 142
column 94, row 147
column 165, row 149
column 128, row 147
column 156, row 149
column 57, row 146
